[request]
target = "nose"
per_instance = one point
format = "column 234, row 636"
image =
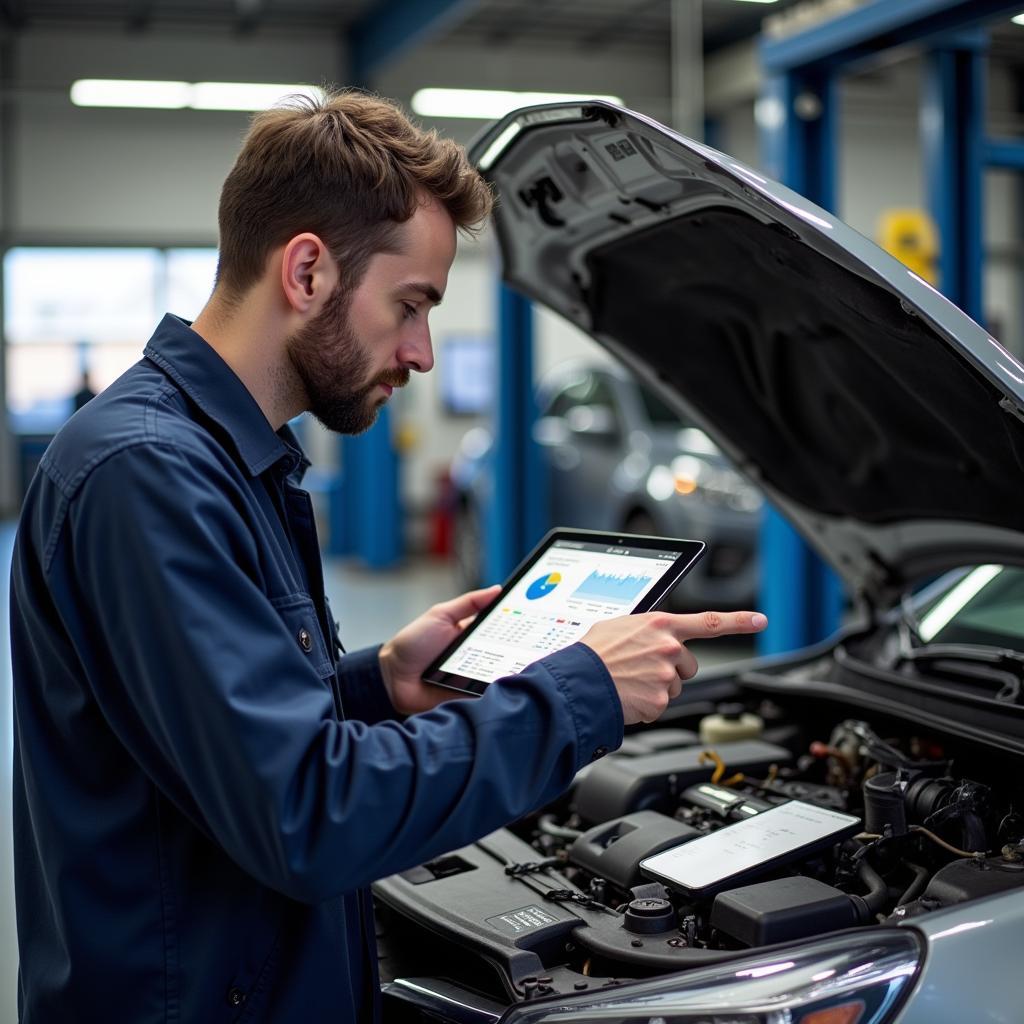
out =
column 417, row 352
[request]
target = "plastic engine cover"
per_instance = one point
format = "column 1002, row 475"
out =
column 781, row 910
column 619, row 786
column 614, row 850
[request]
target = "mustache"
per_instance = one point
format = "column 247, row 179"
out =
column 394, row 378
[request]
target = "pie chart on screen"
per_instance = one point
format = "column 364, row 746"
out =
column 543, row 585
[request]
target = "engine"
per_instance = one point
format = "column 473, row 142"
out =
column 571, row 899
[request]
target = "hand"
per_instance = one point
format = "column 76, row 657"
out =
column 404, row 658
column 647, row 658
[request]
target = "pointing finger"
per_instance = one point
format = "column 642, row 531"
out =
column 710, row 624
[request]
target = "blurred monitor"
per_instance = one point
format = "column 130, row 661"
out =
column 466, row 365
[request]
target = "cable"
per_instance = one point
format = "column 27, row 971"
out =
column 977, row 854
column 711, row 755
column 532, row 867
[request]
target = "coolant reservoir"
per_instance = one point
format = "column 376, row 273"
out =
column 731, row 722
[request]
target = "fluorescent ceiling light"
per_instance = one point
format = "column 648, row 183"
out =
column 489, row 104
column 245, row 95
column 1018, row 19
column 104, row 92
column 107, row 92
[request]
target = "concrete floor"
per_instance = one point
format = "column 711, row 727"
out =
column 370, row 608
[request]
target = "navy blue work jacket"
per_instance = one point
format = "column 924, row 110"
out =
column 203, row 790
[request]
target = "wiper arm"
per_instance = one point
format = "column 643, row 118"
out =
column 1003, row 660
column 909, row 626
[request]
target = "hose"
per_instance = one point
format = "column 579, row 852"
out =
column 878, row 891
column 547, row 824
column 916, row 887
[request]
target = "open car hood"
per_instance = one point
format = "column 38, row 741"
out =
column 879, row 418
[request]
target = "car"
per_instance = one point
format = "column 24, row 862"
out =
column 835, row 834
column 618, row 458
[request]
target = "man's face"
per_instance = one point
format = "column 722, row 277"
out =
column 364, row 343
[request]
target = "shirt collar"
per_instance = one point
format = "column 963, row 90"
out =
column 204, row 376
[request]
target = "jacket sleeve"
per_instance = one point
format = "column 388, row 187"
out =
column 363, row 693
column 204, row 682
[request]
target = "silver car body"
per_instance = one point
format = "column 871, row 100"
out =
column 619, row 459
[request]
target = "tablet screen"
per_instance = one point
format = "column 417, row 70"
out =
column 570, row 582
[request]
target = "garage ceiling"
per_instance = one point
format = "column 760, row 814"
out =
column 607, row 24
column 590, row 24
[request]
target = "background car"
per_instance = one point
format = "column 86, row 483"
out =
column 888, row 427
column 618, row 458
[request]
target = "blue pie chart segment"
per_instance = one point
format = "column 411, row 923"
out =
column 543, row 585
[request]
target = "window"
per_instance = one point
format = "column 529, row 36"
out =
column 467, row 375
column 76, row 311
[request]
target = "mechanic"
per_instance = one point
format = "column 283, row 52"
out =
column 203, row 788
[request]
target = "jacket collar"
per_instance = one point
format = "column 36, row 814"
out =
column 215, row 388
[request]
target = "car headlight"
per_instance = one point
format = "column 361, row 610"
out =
column 717, row 484
column 859, row 979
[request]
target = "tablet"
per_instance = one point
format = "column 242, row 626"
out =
column 740, row 853
column 571, row 580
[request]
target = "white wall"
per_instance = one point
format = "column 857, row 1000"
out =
column 151, row 176
column 641, row 82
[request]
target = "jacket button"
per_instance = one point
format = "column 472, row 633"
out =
column 235, row 997
column 599, row 752
column 305, row 640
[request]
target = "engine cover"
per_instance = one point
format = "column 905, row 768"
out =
column 614, row 850
column 618, row 786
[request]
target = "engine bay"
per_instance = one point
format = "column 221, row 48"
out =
column 561, row 902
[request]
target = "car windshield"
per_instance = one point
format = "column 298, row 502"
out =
column 985, row 606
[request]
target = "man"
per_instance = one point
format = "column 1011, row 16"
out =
column 203, row 789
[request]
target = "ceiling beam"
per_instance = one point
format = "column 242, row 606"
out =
column 12, row 14
column 876, row 26
column 391, row 27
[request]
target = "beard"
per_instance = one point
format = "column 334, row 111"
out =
column 334, row 369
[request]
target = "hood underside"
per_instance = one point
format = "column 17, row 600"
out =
column 878, row 417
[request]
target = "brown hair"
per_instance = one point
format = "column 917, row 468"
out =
column 350, row 168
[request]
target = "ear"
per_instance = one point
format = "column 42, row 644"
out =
column 308, row 273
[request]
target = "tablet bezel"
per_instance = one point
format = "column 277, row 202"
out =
column 690, row 552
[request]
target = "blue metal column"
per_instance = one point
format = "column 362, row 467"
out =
column 369, row 522
column 952, row 136
column 517, row 509
column 801, row 596
column 390, row 27
column 364, row 501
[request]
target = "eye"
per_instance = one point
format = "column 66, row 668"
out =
column 409, row 311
